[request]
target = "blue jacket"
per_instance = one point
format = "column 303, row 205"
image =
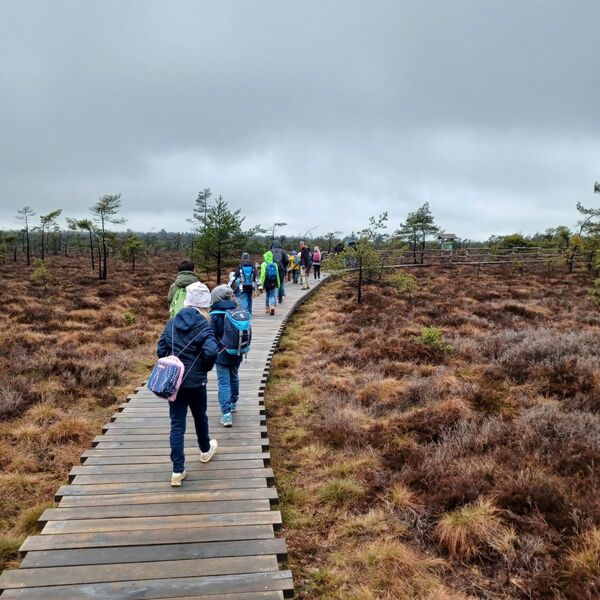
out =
column 223, row 358
column 190, row 327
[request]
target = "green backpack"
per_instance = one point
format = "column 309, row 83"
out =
column 177, row 302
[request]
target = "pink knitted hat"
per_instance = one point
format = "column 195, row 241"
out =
column 197, row 295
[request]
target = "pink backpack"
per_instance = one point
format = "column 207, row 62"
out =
column 316, row 257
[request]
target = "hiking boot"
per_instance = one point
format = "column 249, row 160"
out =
column 267, row 310
column 233, row 407
column 272, row 310
column 177, row 478
column 206, row 456
column 227, row 420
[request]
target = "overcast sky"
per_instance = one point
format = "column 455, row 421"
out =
column 316, row 113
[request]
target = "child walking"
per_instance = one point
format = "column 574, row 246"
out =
column 269, row 278
column 223, row 299
column 190, row 337
column 316, row 261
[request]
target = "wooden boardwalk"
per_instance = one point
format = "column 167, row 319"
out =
column 121, row 532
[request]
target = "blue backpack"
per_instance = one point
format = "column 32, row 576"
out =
column 247, row 275
column 237, row 331
column 271, row 275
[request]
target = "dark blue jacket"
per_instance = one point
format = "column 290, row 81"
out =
column 223, row 358
column 190, row 327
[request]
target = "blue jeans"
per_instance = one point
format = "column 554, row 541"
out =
column 195, row 398
column 229, row 386
column 281, row 291
column 295, row 275
column 245, row 299
column 270, row 297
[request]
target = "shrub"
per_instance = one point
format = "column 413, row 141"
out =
column 41, row 275
column 404, row 283
column 465, row 531
column 128, row 317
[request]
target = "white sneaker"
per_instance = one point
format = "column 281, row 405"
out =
column 206, row 456
column 177, row 478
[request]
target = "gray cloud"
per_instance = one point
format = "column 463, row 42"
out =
column 315, row 113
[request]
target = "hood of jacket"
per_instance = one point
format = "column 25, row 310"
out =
column 221, row 292
column 185, row 278
column 224, row 305
column 268, row 256
column 275, row 244
column 188, row 318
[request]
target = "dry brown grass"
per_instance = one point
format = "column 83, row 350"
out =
column 69, row 354
column 479, row 451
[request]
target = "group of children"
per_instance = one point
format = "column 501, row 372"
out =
column 199, row 334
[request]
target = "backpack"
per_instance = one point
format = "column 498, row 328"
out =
column 316, row 257
column 278, row 257
column 271, row 275
column 169, row 372
column 237, row 331
column 177, row 301
column 246, row 272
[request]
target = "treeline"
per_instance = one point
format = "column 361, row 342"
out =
column 217, row 236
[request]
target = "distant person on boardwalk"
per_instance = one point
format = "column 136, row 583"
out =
column 190, row 336
column 316, row 261
column 294, row 267
column 304, row 265
column 246, row 275
column 269, row 279
column 223, row 299
column 185, row 277
column 282, row 261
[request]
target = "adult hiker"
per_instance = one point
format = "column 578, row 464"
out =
column 228, row 361
column 304, row 265
column 269, row 279
column 190, row 337
column 246, row 275
column 185, row 277
column 282, row 260
column 316, row 261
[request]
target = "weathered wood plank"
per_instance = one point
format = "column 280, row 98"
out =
column 155, row 510
column 149, row 537
column 201, row 567
column 157, row 589
column 129, row 554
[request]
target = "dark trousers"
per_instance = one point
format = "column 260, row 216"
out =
column 195, row 398
column 317, row 269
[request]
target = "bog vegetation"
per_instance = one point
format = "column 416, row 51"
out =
column 443, row 444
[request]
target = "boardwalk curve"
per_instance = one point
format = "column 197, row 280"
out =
column 121, row 532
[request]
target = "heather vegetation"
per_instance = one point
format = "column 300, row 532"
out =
column 72, row 349
column 442, row 438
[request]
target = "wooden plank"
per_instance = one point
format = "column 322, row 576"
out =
column 54, row 576
column 269, row 517
column 170, row 495
column 148, row 537
column 154, row 510
column 163, row 443
column 159, row 589
column 128, row 554
column 222, row 451
column 132, row 488
column 108, row 459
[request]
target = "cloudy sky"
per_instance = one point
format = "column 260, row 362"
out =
column 317, row 113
